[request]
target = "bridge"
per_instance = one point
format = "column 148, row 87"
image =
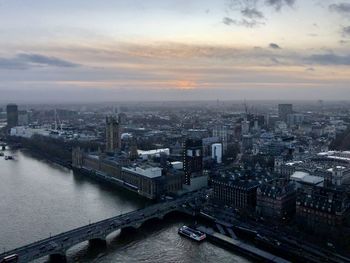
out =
column 96, row 233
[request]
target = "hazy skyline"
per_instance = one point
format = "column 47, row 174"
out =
column 174, row 50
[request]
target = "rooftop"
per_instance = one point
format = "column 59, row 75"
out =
column 304, row 177
column 145, row 170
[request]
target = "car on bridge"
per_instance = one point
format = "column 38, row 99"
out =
column 10, row 259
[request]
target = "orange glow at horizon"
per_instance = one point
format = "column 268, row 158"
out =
column 185, row 84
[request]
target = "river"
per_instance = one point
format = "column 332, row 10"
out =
column 39, row 199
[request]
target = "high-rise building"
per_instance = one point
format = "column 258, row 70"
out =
column 222, row 133
column 193, row 158
column 247, row 143
column 216, row 152
column 113, row 134
column 284, row 110
column 245, row 127
column 12, row 115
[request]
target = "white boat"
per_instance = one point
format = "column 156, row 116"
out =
column 192, row 233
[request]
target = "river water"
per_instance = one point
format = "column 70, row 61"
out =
column 39, row 199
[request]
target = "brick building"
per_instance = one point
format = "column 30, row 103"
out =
column 320, row 208
column 276, row 200
column 236, row 193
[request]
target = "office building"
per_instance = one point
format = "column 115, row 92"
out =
column 12, row 115
column 222, row 133
column 216, row 152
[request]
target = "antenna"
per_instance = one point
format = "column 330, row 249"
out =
column 245, row 108
column 57, row 121
column 55, row 116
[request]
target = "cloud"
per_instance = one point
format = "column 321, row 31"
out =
column 45, row 60
column 346, row 31
column 329, row 59
column 341, row 8
column 243, row 22
column 252, row 13
column 279, row 4
column 251, row 16
column 28, row 60
column 275, row 60
column 311, row 69
column 274, row 46
column 151, row 54
column 7, row 63
column 228, row 21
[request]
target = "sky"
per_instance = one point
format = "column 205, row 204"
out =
column 114, row 50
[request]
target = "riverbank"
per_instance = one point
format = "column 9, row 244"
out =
column 52, row 149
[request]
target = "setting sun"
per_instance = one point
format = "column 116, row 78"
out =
column 185, row 84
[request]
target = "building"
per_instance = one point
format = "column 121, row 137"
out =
column 222, row 133
column 152, row 153
column 245, row 127
column 332, row 166
column 151, row 181
column 276, row 200
column 177, row 165
column 320, row 209
column 284, row 110
column 295, row 119
column 28, row 132
column 247, row 143
column 237, row 193
column 12, row 115
column 113, row 134
column 145, row 178
column 339, row 175
column 216, row 152
column 23, row 118
column 207, row 147
column 193, row 159
column 304, row 179
column 334, row 157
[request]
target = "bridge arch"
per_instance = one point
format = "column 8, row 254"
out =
column 57, row 258
column 98, row 242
